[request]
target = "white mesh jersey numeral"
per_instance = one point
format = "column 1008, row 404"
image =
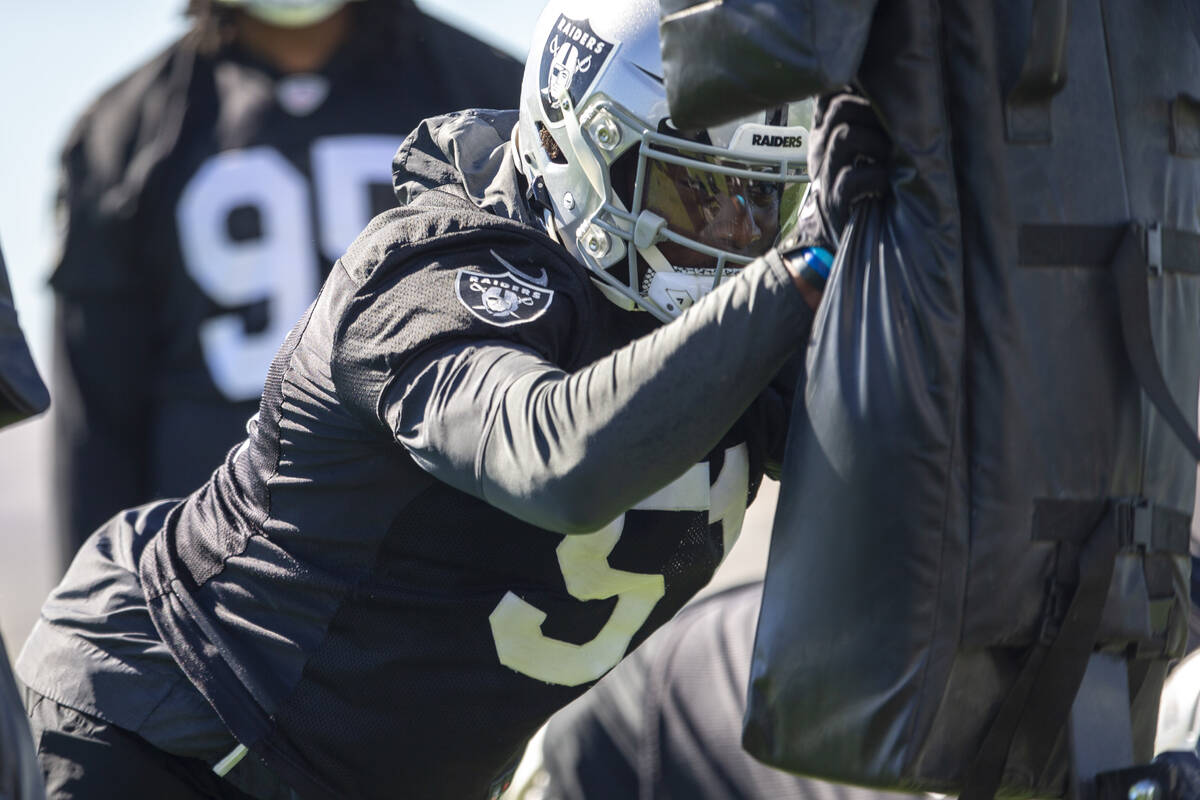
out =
column 583, row 559
column 278, row 266
column 344, row 167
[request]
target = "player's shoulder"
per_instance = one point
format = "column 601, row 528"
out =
column 468, row 274
column 106, row 136
column 505, row 282
column 133, row 95
column 465, row 285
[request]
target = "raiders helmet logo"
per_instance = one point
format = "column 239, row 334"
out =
column 573, row 58
column 501, row 299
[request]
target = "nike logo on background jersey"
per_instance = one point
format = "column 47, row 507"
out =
column 541, row 280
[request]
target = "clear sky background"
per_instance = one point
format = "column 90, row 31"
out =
column 57, row 55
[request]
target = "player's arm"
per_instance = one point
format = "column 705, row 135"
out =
column 102, row 344
column 571, row 451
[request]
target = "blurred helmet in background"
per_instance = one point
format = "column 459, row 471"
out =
column 287, row 13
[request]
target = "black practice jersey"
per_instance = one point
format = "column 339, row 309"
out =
column 472, row 486
column 667, row 722
column 204, row 199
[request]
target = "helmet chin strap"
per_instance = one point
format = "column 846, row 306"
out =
column 675, row 292
column 655, row 259
column 618, row 298
column 669, row 294
column 671, row 290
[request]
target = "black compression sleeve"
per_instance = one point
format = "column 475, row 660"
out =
column 569, row 452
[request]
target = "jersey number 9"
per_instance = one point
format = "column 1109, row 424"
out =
column 277, row 265
column 583, row 558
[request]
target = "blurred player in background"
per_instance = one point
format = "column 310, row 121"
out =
column 22, row 395
column 203, row 200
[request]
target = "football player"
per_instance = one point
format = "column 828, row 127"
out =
column 203, row 200
column 515, row 432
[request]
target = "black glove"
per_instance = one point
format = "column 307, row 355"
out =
column 848, row 153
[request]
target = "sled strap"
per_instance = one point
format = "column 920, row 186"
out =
column 1133, row 252
column 1166, row 249
column 1133, row 300
column 1043, row 75
column 1041, row 696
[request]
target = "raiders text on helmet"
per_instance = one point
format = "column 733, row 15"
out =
column 658, row 215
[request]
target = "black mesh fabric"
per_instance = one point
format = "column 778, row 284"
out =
column 439, row 589
column 332, row 599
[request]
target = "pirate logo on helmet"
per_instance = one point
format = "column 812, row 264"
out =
column 571, row 61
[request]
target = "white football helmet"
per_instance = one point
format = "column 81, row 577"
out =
column 658, row 215
column 288, row 13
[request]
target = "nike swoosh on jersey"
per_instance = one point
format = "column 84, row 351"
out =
column 541, row 280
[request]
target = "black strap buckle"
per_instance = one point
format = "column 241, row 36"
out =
column 1135, row 523
column 1154, row 248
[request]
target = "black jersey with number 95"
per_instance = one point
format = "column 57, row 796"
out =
column 204, row 199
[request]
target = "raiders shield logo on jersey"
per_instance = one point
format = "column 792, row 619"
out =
column 501, row 299
column 571, row 61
